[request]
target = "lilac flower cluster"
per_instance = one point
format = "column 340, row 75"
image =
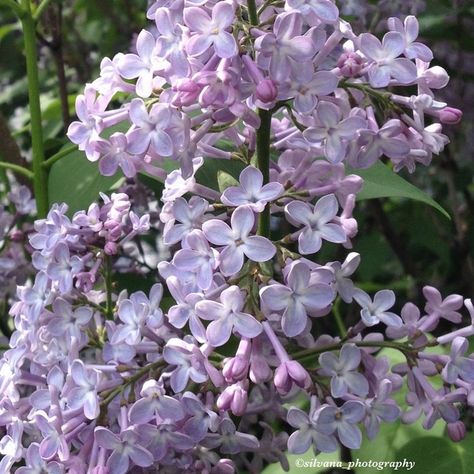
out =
column 189, row 375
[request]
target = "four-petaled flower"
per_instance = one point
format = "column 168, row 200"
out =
column 227, row 315
column 374, row 312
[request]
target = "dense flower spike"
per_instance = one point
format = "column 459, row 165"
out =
column 187, row 375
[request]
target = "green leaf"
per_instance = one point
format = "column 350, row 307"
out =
column 433, row 455
column 77, row 182
column 225, row 180
column 380, row 181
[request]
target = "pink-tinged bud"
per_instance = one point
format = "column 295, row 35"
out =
column 289, row 373
column 350, row 64
column 450, row 115
column 187, row 92
column 260, row 371
column 111, row 248
column 436, row 77
column 17, row 236
column 233, row 398
column 456, row 431
column 266, row 91
column 236, row 368
column 224, row 466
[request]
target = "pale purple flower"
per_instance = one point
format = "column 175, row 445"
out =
column 54, row 442
column 85, row 132
column 68, row 321
column 196, row 256
column 437, row 307
column 234, row 398
column 114, row 154
column 252, row 192
column 458, row 365
column 237, row 242
column 380, row 408
column 201, row 418
column 125, row 448
column 150, row 128
column 343, row 371
column 333, row 131
column 280, row 50
column 376, row 311
column 142, row 65
column 411, row 324
column 343, row 420
column 343, row 284
column 189, row 215
column 84, row 391
column 409, row 29
column 386, row 141
column 165, row 439
column 230, row 440
column 297, row 298
column 317, row 223
column 189, row 362
column 211, row 31
column 36, row 465
column 323, row 10
column 226, row 316
column 385, row 59
column 184, row 311
column 155, row 401
column 307, row 86
column 307, row 434
column 64, row 267
column 36, row 297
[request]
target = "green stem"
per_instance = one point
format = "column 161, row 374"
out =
column 57, row 156
column 41, row 8
column 108, row 287
column 263, row 163
column 334, row 347
column 40, row 180
column 253, row 15
column 338, row 317
column 17, row 169
column 14, row 6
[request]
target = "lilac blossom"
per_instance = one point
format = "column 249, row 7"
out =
column 296, row 299
column 323, row 10
column 307, row 434
column 252, row 192
column 237, row 242
column 226, row 316
column 342, row 369
column 343, row 421
column 211, row 31
column 318, row 223
column 124, row 449
column 333, row 131
column 385, row 59
column 376, row 311
column 155, row 401
column 142, row 65
column 189, row 363
column 459, row 366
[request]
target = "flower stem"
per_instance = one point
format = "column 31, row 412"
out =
column 263, row 163
column 253, row 16
column 16, row 169
column 336, row 346
column 57, row 156
column 40, row 178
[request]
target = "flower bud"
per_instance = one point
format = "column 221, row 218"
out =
column 290, row 372
column 111, row 248
column 436, row 77
column 233, row 398
column 236, row 368
column 266, row 91
column 456, row 430
column 224, row 466
column 450, row 115
column 350, row 64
